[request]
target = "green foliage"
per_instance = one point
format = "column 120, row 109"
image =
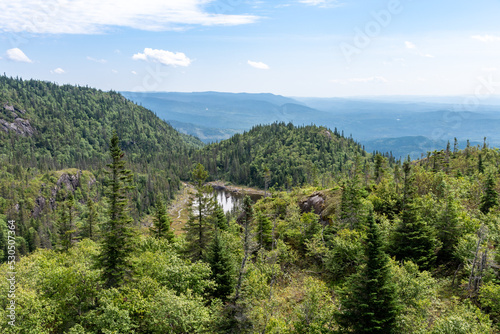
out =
column 345, row 253
column 280, row 155
column 489, row 296
column 162, row 223
column 463, row 319
column 489, row 199
column 222, row 267
column 315, row 313
column 117, row 233
column 199, row 227
column 369, row 304
column 414, row 239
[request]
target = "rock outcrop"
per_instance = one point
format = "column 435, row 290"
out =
column 314, row 203
column 10, row 120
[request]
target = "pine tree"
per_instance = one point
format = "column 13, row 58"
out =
column 162, row 223
column 490, row 196
column 118, row 234
column 368, row 305
column 413, row 239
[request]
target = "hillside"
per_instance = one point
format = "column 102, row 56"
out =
column 49, row 126
column 54, row 141
column 289, row 155
column 382, row 125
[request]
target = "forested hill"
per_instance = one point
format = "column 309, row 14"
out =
column 281, row 154
column 49, row 126
column 54, row 142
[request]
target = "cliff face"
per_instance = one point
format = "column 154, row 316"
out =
column 70, row 182
column 11, row 120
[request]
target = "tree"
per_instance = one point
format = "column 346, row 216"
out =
column 414, row 239
column 248, row 246
column 66, row 226
column 89, row 228
column 490, row 196
column 118, row 235
column 222, row 268
column 264, row 231
column 198, row 227
column 162, row 223
column 369, row 303
column 219, row 219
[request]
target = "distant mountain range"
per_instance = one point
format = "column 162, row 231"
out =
column 398, row 124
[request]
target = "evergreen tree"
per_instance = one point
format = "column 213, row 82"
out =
column 89, row 228
column 219, row 219
column 414, row 239
column 222, row 267
column 350, row 206
column 490, row 195
column 199, row 227
column 368, row 305
column 248, row 246
column 66, row 227
column 162, row 222
column 118, row 235
column 264, row 231
column 448, row 230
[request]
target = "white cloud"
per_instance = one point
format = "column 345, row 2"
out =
column 374, row 79
column 486, row 38
column 101, row 61
column 17, row 55
column 114, row 71
column 322, row 3
column 97, row 16
column 133, row 72
column 58, row 71
column 163, row 57
column 409, row 45
column 259, row 65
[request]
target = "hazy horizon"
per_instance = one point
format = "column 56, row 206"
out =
column 304, row 48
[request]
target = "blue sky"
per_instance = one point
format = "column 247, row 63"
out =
column 321, row 48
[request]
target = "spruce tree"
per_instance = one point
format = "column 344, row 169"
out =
column 264, row 231
column 448, row 229
column 368, row 304
column 490, row 196
column 118, row 234
column 162, row 223
column 199, row 227
column 219, row 219
column 414, row 239
column 66, row 224
column 222, row 267
column 89, row 228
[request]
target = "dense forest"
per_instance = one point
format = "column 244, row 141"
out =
column 344, row 242
column 282, row 155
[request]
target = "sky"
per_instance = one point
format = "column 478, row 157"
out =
column 302, row 48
